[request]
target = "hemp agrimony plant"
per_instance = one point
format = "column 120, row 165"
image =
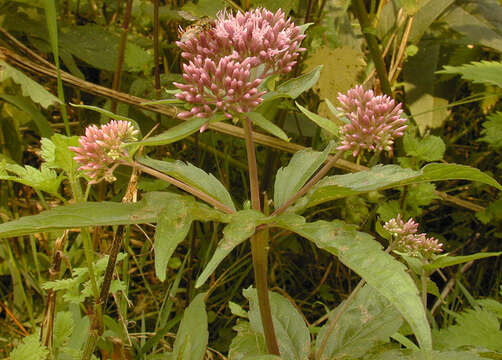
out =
column 232, row 71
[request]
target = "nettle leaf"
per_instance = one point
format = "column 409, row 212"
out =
column 321, row 121
column 492, row 132
column 29, row 87
column 483, row 72
column 30, row 349
column 242, row 225
column 363, row 254
column 301, row 167
column 297, row 86
column 191, row 339
column 267, row 125
column 382, row 177
column 430, row 148
column 179, row 131
column 57, row 155
column 192, row 176
column 247, row 343
column 368, row 320
column 44, row 179
column 63, row 328
column 293, row 336
column 105, row 213
column 173, row 224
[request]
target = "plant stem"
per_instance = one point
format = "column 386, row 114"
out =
column 314, row 180
column 195, row 192
column 259, row 246
column 424, row 288
column 371, row 39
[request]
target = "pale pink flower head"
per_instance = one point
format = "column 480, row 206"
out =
column 101, row 148
column 407, row 240
column 374, row 121
column 228, row 58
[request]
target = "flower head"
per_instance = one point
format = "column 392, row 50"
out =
column 407, row 239
column 101, row 148
column 227, row 60
column 374, row 121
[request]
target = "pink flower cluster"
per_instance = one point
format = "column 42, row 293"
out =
column 407, row 239
column 374, row 121
column 101, row 148
column 228, row 59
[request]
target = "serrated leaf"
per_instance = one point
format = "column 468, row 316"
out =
column 430, row 148
column 368, row 320
column 483, row 72
column 193, row 176
column 247, row 343
column 493, row 130
column 448, row 260
column 30, row 349
column 104, row 213
column 57, row 154
column 242, row 225
column 44, row 179
column 322, row 122
column 179, row 131
column 99, row 47
column 63, row 328
column 29, row 87
column 293, row 336
column 295, row 87
column 173, row 224
column 382, row 177
column 301, row 167
column 267, row 125
column 363, row 254
column 191, row 339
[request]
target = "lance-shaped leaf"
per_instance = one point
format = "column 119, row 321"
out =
column 293, row 336
column 321, row 121
column 382, row 177
column 368, row 320
column 267, row 125
column 179, row 131
column 291, row 178
column 173, row 224
column 105, row 213
column 193, row 176
column 247, row 343
column 242, row 225
column 448, row 260
column 365, row 256
column 295, row 87
column 192, row 336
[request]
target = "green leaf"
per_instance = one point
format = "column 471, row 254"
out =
column 363, row 254
column 267, row 125
column 426, row 16
column 99, row 47
column 448, row 260
column 44, row 179
column 322, row 122
column 247, row 343
column 368, row 320
column 242, row 225
column 293, row 336
column 295, row 87
column 105, row 112
column 57, row 154
column 173, row 224
column 428, row 107
column 430, row 148
column 104, row 213
column 63, row 328
column 382, row 177
column 179, row 131
column 291, row 178
column 193, row 176
column 30, row 349
column 29, row 87
column 396, row 354
column 191, row 339
column 493, row 130
column 28, row 107
column 204, row 7
column 483, row 72
column 410, row 6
